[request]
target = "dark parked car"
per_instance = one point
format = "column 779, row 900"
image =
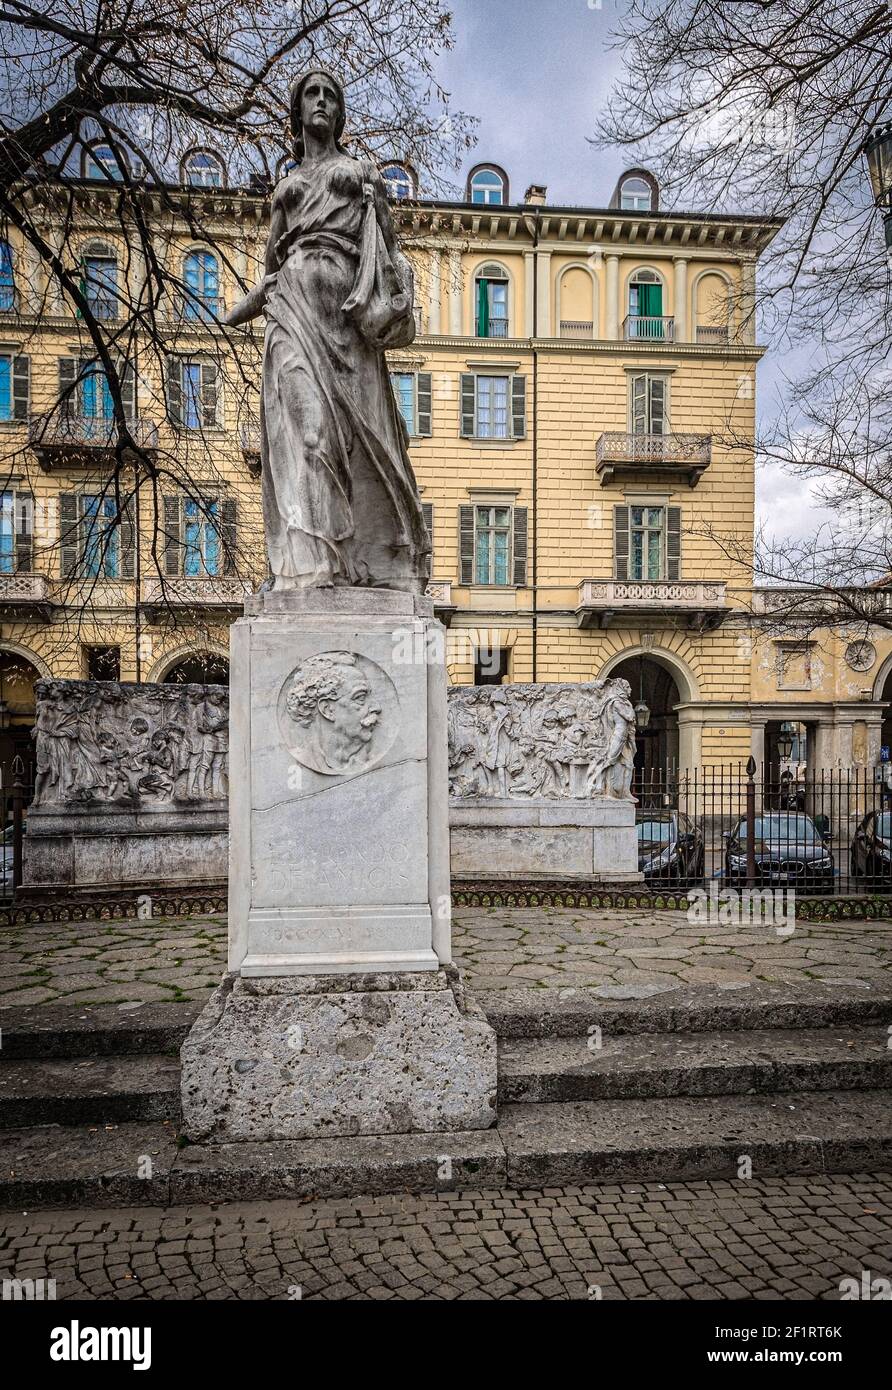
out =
column 790, row 850
column 670, row 847
column 871, row 852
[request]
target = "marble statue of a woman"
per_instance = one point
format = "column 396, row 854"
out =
column 340, row 502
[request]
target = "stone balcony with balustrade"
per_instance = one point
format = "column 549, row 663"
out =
column 695, row 603
column 209, row 596
column 65, row 441
column 687, row 454
column 440, row 590
column 24, row 598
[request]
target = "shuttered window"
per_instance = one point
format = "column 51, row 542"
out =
column 493, row 407
column 428, row 512
column 97, row 541
column 199, row 536
column 85, row 393
column 413, row 396
column 493, row 545
column 647, row 543
column 192, row 393
column 15, row 386
column 16, row 532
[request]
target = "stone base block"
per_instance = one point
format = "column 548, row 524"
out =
column 115, row 847
column 591, row 840
column 313, row 1056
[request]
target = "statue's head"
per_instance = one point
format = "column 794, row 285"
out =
column 317, row 104
column 332, row 689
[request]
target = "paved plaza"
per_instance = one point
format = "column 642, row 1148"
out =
column 633, row 952
column 790, row 1238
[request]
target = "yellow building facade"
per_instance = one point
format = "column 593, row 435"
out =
column 579, row 398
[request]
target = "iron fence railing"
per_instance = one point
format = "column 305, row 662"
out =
column 16, row 790
column 824, row 832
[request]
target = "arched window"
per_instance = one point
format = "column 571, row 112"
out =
column 646, row 318
column 200, row 669
column 202, row 170
column 636, row 195
column 7, row 278
column 712, row 307
column 399, row 181
column 487, row 185
column 577, row 302
column 201, row 296
column 100, row 162
column 99, row 280
column 491, row 301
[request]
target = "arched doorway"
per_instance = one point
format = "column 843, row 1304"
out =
column 18, row 677
column 201, row 668
column 653, row 685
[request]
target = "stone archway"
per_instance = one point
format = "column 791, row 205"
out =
column 198, row 668
column 19, row 674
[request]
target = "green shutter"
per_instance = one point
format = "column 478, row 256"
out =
column 173, row 377
column 468, row 405
column 519, row 407
column 673, row 542
column 21, row 387
column 482, row 308
column 69, row 534
column 423, row 410
column 128, row 390
column 466, row 544
column 620, row 542
column 229, row 534
column 650, row 301
column 520, row 546
column 173, row 536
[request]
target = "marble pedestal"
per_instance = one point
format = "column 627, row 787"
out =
column 502, row 837
column 337, row 1015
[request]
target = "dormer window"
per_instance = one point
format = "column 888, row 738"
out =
column 202, row 170
column 100, row 162
column 636, row 195
column 399, row 181
column 487, row 185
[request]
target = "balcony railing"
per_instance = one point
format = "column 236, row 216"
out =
column 440, row 590
column 699, row 603
column 651, row 328
column 690, row 454
column 205, row 593
column 706, row 333
column 497, row 328
column 59, row 439
column 23, row 597
column 577, row 328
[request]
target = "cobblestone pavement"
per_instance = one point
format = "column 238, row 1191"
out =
column 630, row 951
column 779, row 1238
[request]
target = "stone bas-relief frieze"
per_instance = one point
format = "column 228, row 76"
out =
column 338, row 713
column 551, row 741
column 130, row 745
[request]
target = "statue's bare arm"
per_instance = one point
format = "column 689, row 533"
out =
column 252, row 304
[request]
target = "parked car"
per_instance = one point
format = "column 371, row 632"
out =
column 6, row 857
column 671, row 848
column 870, row 855
column 790, row 850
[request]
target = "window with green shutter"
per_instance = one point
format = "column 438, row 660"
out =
column 647, row 542
column 15, row 386
column 97, row 536
column 493, row 407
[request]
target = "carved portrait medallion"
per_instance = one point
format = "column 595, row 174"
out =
column 338, row 713
column 861, row 655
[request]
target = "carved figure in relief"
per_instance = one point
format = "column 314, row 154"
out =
column 611, row 772
column 336, row 711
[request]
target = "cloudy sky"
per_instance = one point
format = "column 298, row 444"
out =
column 536, row 73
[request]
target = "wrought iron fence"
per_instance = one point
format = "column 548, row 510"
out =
column 16, row 790
column 825, row 832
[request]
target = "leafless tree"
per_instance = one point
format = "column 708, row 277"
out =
column 142, row 83
column 764, row 106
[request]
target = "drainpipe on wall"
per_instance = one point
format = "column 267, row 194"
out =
column 532, row 225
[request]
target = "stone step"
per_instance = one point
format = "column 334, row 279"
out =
column 570, row 1013
column 102, row 1030
column 696, row 1137
column 142, row 1164
column 88, row 1090
column 533, row 1146
column 642, row 1065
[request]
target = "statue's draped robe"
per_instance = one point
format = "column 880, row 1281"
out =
column 340, row 502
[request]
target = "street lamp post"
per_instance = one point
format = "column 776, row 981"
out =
column 878, row 153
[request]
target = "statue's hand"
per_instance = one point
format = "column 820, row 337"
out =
column 252, row 305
